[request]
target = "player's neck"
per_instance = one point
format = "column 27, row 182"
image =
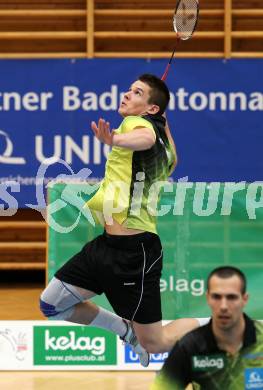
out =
column 230, row 340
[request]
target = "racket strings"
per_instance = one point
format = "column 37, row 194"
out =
column 184, row 23
column 185, row 18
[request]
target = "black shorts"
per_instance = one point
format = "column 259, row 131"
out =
column 126, row 268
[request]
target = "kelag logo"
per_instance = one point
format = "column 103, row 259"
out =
column 206, row 363
column 253, row 378
column 73, row 345
column 131, row 357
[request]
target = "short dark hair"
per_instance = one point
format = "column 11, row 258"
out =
column 159, row 93
column 225, row 272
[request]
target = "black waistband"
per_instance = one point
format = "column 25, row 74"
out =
column 129, row 241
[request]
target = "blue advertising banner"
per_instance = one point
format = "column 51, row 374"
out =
column 46, row 107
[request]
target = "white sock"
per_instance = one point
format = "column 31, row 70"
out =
column 110, row 321
column 203, row 321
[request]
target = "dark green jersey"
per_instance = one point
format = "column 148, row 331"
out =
column 196, row 359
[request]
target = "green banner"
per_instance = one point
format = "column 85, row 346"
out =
column 73, row 345
column 201, row 225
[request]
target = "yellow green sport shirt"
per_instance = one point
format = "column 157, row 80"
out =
column 130, row 189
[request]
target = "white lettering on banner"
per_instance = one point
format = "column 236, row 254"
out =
column 90, row 101
column 74, row 99
column 85, row 152
column 71, row 148
column 6, row 156
column 254, row 385
column 30, row 101
column 96, row 344
column 182, row 100
column 108, row 100
column 72, row 102
column 221, row 101
column 198, row 101
column 195, row 287
column 159, row 357
column 154, row 357
column 253, row 378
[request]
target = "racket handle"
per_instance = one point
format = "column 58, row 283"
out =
column 166, row 72
column 168, row 65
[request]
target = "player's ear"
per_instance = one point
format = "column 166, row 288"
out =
column 245, row 298
column 154, row 109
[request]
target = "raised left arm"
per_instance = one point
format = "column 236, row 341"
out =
column 140, row 138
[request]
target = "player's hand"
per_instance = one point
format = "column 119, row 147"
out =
column 102, row 131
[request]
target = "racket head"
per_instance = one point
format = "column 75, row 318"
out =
column 184, row 23
column 185, row 18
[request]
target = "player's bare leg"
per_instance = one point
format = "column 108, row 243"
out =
column 156, row 338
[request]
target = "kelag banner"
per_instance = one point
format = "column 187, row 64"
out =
column 46, row 107
column 42, row 345
column 201, row 225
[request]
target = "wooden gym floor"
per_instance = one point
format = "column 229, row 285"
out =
column 75, row 380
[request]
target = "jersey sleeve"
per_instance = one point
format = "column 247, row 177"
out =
column 176, row 371
column 131, row 122
column 172, row 158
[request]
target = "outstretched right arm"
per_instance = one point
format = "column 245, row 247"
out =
column 140, row 138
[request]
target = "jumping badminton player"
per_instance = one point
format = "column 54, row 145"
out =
column 125, row 262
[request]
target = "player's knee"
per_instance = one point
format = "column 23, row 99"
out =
column 58, row 299
column 52, row 312
column 47, row 303
column 47, row 309
column 55, row 301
